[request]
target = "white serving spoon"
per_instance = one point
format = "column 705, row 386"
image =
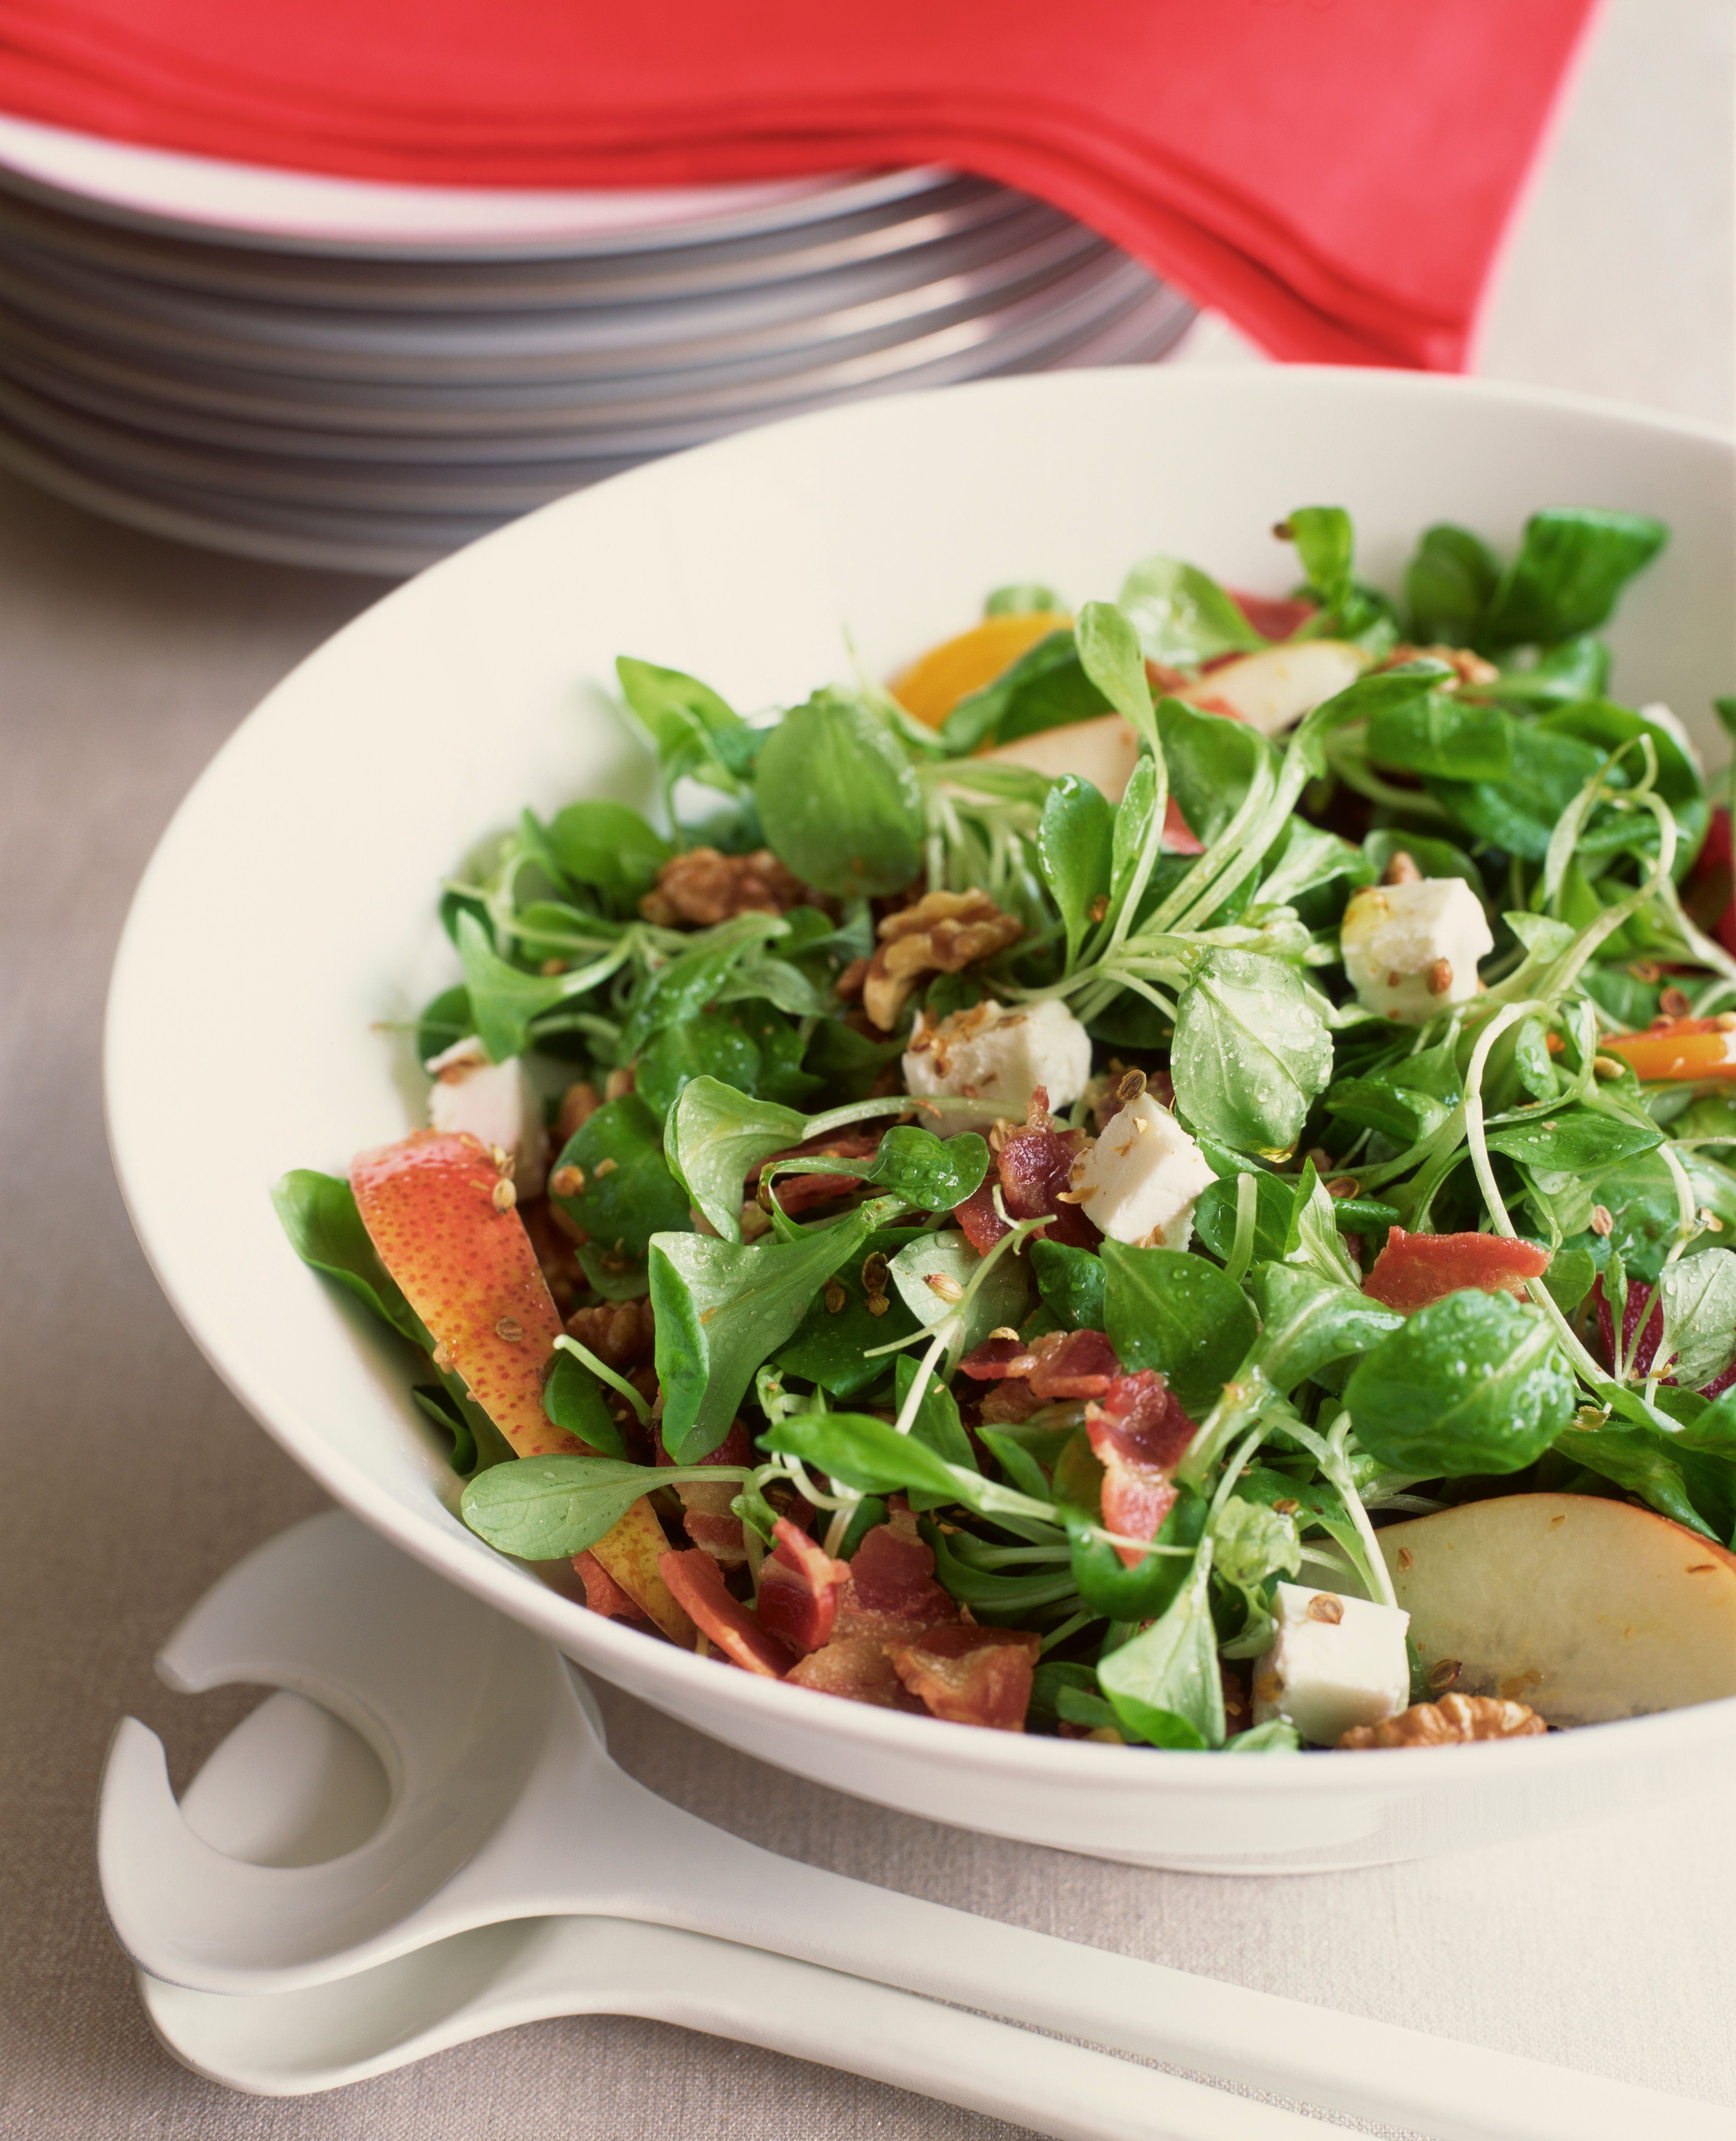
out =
column 506, row 1806
column 279, row 1788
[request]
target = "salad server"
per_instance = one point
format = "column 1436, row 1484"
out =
column 506, row 1806
column 284, row 2044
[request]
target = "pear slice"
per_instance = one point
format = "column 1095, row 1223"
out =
column 433, row 1207
column 1270, row 691
column 1273, row 689
column 1584, row 1609
column 1103, row 750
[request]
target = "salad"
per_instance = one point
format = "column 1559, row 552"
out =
column 1160, row 1179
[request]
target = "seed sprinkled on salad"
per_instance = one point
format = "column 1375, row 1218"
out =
column 1167, row 1198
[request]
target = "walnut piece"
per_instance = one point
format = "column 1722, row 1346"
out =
column 1455, row 1721
column 621, row 1333
column 944, row 933
column 706, row 887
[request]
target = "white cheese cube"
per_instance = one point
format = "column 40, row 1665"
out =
column 1140, row 1181
column 1273, row 689
column 1336, row 1662
column 496, row 1102
column 1411, row 950
column 999, row 1057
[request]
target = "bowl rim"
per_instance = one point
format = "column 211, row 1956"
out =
column 639, row 1662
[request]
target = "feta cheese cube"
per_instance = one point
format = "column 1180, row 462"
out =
column 496, row 1102
column 1140, row 1181
column 1336, row 1662
column 1411, row 950
column 999, row 1057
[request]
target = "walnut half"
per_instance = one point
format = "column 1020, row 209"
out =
column 944, row 933
column 1455, row 1721
column 623, row 1334
column 706, row 887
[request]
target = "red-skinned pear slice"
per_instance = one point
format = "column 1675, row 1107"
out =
column 1584, row 1609
column 467, row 1268
column 631, row 1553
column 1273, row 689
column 1104, row 752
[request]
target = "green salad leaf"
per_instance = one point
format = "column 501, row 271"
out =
column 838, row 800
column 1180, row 614
column 1164, row 1684
column 1474, row 1383
column 628, row 1193
column 1175, row 1312
column 1075, row 839
column 723, row 1307
column 1571, row 565
column 1251, row 1053
column 318, row 1214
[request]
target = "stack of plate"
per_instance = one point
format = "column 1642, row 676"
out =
column 365, row 377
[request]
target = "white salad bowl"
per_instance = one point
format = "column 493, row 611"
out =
column 286, row 929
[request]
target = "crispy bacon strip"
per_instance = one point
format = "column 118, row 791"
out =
column 890, row 1591
column 796, row 1193
column 698, row 1582
column 1140, row 1435
column 970, row 1675
column 857, row 1668
column 706, row 1506
column 896, row 1641
column 1059, row 1366
column 981, row 1224
column 1415, row 1270
column 799, row 1588
column 1035, row 1167
column 996, row 1358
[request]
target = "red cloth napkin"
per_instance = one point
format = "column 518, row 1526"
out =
column 1335, row 175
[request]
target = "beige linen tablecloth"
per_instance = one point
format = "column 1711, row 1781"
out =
column 131, row 1479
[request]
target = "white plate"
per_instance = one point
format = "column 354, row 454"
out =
column 148, row 389
column 1036, row 329
column 397, row 543
column 47, row 397
column 188, row 195
column 888, row 297
column 287, row 919
column 372, row 284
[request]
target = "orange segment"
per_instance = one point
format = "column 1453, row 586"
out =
column 935, row 682
column 1682, row 1048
